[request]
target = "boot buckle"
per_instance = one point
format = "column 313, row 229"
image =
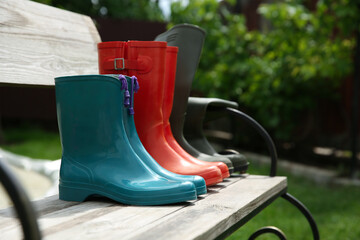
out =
column 123, row 63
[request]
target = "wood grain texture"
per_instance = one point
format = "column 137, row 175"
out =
column 206, row 218
column 39, row 42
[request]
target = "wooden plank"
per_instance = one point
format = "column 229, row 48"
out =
column 39, row 42
column 128, row 219
column 208, row 217
column 52, row 208
column 109, row 223
column 9, row 223
column 60, row 217
column 212, row 216
column 68, row 217
column 42, row 207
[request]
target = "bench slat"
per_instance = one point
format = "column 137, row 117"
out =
column 208, row 217
column 212, row 216
column 39, row 42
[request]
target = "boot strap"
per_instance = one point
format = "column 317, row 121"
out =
column 141, row 64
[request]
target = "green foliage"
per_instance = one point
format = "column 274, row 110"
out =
column 278, row 73
column 120, row 9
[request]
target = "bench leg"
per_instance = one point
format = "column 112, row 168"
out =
column 273, row 230
column 303, row 209
column 276, row 231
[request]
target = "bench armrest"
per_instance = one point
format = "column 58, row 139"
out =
column 23, row 207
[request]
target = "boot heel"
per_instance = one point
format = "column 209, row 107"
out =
column 73, row 194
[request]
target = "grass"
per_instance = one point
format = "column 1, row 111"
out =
column 335, row 209
column 33, row 142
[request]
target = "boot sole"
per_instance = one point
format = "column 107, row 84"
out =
column 213, row 181
column 201, row 190
column 226, row 174
column 242, row 169
column 79, row 193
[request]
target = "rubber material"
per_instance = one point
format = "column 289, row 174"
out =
column 148, row 104
column 189, row 39
column 138, row 147
column 97, row 158
column 193, row 128
column 170, row 71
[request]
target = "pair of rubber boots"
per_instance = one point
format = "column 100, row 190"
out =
column 154, row 64
column 102, row 154
column 190, row 39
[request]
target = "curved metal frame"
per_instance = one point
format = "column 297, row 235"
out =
column 303, row 209
column 264, row 134
column 21, row 202
column 273, row 155
column 273, row 230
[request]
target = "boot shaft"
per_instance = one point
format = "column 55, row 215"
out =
column 146, row 61
column 169, row 85
column 89, row 111
column 189, row 39
column 111, row 57
column 151, row 57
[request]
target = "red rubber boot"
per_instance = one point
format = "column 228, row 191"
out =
column 170, row 72
column 146, row 60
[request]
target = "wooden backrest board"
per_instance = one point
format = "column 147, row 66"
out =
column 39, row 42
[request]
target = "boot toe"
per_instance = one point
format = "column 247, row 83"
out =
column 212, row 175
column 224, row 169
column 156, row 192
column 239, row 162
column 200, row 185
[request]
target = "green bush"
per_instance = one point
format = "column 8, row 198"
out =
column 120, row 9
column 279, row 73
column 32, row 141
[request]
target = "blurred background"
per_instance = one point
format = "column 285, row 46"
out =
column 293, row 65
column 289, row 64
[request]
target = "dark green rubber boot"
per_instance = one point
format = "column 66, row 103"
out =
column 189, row 39
column 193, row 129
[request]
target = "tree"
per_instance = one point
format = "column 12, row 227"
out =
column 280, row 73
column 120, row 9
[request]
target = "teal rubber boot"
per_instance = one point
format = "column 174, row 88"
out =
column 97, row 156
column 133, row 86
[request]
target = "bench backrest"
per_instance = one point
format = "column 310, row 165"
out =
column 39, row 42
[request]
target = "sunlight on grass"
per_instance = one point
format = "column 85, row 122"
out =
column 33, row 142
column 335, row 209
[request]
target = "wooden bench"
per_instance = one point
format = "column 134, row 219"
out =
column 39, row 43
column 226, row 205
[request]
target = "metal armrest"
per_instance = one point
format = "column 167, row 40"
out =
column 21, row 202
